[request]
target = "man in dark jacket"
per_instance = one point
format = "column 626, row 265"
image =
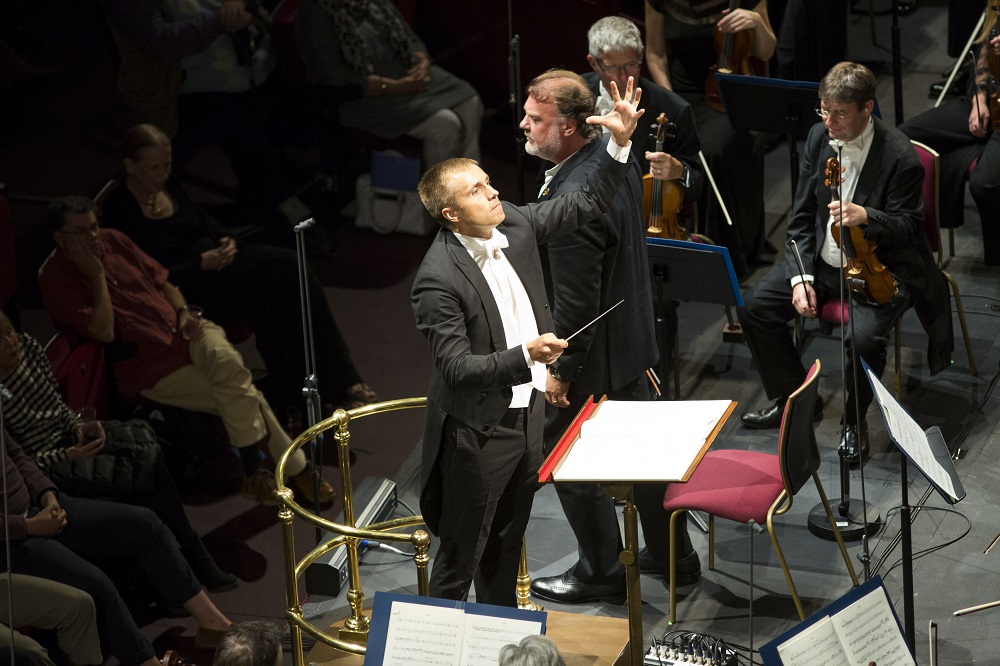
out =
column 882, row 196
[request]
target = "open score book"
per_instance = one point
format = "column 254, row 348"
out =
column 865, row 631
column 418, row 631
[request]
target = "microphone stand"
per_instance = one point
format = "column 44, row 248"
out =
column 858, row 518
column 5, row 395
column 310, row 385
column 514, row 98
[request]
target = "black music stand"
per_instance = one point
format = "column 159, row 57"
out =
column 687, row 271
column 928, row 452
column 776, row 106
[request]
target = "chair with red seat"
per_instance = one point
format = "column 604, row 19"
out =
column 750, row 485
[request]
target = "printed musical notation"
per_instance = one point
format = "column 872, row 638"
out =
column 421, row 635
column 864, row 632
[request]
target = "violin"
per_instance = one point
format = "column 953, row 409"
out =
column 864, row 274
column 662, row 199
column 733, row 49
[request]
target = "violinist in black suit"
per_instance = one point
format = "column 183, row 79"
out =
column 882, row 195
column 615, row 53
column 479, row 299
column 589, row 271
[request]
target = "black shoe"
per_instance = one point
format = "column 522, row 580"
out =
column 770, row 417
column 849, row 440
column 957, row 88
column 688, row 567
column 566, row 589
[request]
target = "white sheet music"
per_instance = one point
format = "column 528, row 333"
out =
column 911, row 438
column 869, row 632
column 864, row 632
column 641, row 441
column 422, row 635
column 818, row 645
column 485, row 635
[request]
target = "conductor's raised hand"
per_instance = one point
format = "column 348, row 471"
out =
column 622, row 120
column 546, row 348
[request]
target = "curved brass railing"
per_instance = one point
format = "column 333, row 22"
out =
column 353, row 636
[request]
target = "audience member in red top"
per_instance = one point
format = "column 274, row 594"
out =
column 103, row 286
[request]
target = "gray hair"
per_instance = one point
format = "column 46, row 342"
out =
column 611, row 34
column 531, row 651
column 252, row 643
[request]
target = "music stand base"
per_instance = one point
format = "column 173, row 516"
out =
column 851, row 526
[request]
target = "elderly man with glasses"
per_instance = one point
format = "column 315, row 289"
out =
column 615, row 53
column 881, row 195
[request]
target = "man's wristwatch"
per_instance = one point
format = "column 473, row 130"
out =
column 554, row 372
column 685, row 178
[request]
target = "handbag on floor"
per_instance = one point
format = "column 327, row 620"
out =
column 387, row 197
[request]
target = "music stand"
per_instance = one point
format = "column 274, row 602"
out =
column 689, row 271
column 776, row 106
column 929, row 453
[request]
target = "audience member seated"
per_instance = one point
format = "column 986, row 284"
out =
column 58, row 537
column 251, row 643
column 368, row 59
column 212, row 87
column 684, row 29
column 964, row 134
column 38, row 603
column 151, row 48
column 237, row 284
column 531, row 651
column 122, row 460
column 101, row 284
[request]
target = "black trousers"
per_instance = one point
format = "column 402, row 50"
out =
column 97, row 530
column 768, row 309
column 489, row 484
column 591, row 511
column 946, row 130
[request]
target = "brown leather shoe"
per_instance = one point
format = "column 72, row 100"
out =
column 302, row 483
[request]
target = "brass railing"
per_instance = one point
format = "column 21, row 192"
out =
column 353, row 636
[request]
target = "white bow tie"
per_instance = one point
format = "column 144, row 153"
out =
column 493, row 245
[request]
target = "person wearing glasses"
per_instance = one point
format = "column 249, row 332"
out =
column 98, row 282
column 882, row 195
column 615, row 53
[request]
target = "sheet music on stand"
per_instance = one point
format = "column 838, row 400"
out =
column 926, row 449
column 857, row 629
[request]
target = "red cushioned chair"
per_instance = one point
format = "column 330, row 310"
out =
column 751, row 485
column 932, row 230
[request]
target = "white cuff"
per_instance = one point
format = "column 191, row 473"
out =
column 619, row 153
column 801, row 278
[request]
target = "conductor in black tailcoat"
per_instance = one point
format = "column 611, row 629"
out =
column 479, row 299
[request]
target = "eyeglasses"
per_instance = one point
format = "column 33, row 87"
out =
column 836, row 115
column 614, row 70
column 89, row 229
